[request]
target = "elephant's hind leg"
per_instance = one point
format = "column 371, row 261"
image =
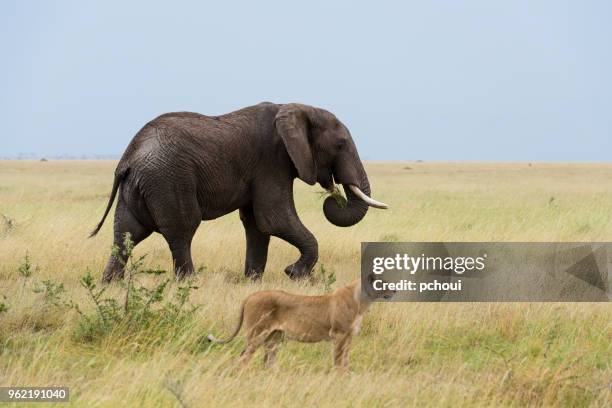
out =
column 181, row 257
column 178, row 220
column 124, row 223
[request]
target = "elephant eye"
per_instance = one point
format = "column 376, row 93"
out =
column 340, row 145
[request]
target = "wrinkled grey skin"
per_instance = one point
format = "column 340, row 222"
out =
column 182, row 168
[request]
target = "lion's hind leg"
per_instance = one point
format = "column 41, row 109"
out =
column 271, row 345
column 256, row 337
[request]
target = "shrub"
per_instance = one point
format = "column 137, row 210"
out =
column 52, row 292
column 323, row 277
column 147, row 311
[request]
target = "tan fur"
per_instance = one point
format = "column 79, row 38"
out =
column 271, row 315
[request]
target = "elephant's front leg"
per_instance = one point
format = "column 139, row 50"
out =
column 275, row 214
column 256, row 245
column 286, row 225
column 297, row 235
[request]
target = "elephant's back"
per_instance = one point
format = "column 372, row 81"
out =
column 191, row 133
column 169, row 138
column 216, row 150
column 233, row 140
column 195, row 154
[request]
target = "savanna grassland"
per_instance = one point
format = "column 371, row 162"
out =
column 155, row 354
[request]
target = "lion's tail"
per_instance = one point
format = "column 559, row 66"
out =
column 234, row 334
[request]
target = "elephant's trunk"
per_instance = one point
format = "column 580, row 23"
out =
column 345, row 214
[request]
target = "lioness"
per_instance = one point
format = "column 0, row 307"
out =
column 273, row 314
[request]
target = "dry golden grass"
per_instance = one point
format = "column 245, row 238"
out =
column 407, row 354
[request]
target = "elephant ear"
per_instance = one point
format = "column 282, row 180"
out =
column 292, row 124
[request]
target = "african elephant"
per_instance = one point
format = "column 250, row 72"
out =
column 182, row 168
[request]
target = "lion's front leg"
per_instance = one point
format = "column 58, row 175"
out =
column 340, row 345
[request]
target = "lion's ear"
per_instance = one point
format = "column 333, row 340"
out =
column 293, row 126
column 370, row 279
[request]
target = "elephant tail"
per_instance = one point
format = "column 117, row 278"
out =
column 119, row 176
column 212, row 338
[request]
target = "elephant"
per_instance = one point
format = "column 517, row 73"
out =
column 182, row 168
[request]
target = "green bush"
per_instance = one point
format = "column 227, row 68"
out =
column 150, row 312
column 324, row 278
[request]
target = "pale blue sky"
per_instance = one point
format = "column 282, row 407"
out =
column 430, row 80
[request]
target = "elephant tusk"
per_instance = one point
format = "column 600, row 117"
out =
column 370, row 201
